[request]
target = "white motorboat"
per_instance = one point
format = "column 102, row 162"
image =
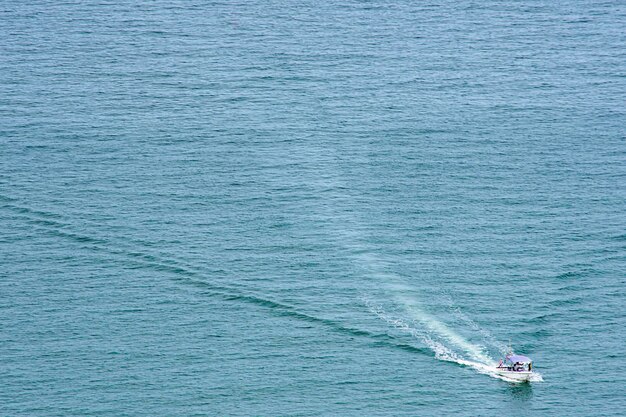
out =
column 516, row 367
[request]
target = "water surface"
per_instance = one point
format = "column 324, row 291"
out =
column 293, row 208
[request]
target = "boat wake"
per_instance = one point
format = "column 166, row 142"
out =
column 443, row 341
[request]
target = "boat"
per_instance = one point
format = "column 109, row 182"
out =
column 516, row 367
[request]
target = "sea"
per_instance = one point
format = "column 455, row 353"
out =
column 312, row 208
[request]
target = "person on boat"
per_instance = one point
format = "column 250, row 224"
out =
column 530, row 366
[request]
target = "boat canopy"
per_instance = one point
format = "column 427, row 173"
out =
column 518, row 358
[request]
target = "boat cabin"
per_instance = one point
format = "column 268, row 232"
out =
column 516, row 363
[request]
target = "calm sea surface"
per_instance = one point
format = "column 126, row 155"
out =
column 300, row 208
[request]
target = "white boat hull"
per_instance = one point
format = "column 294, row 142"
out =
column 521, row 376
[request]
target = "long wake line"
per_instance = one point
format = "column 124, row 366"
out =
column 52, row 224
column 440, row 339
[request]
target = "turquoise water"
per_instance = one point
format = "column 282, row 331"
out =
column 301, row 208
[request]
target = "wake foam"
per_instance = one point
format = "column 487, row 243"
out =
column 444, row 342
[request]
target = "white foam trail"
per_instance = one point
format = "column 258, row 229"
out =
column 435, row 334
column 440, row 350
column 445, row 332
column 436, row 327
column 487, row 336
column 481, row 362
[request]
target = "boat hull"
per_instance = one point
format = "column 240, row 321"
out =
column 522, row 376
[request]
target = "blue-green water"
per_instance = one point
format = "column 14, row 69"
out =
column 311, row 208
